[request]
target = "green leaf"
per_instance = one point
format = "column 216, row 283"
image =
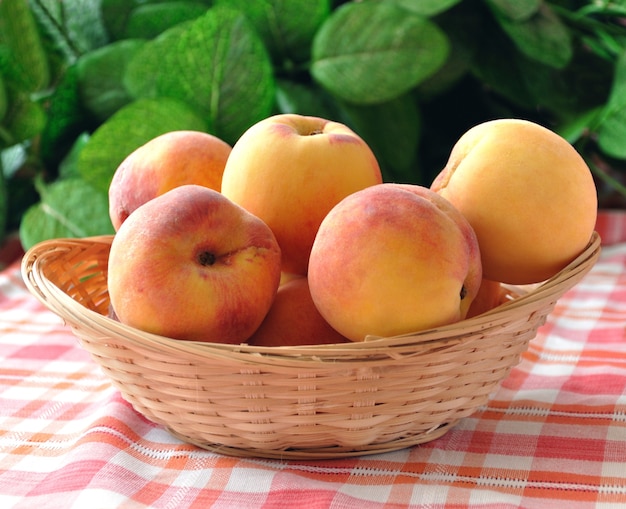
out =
column 129, row 128
column 286, row 26
column 50, row 17
column 4, row 203
column 25, row 119
column 115, row 14
column 575, row 128
column 304, row 99
column 217, row 64
column 149, row 20
column 19, row 182
column 66, row 118
column 144, row 76
column 4, row 101
column 69, row 208
column 558, row 94
column 27, row 62
column 75, row 27
column 612, row 130
column 426, row 8
column 542, row 37
column 517, row 10
column 617, row 96
column 392, row 130
column 367, row 62
column 568, row 92
column 612, row 133
column 100, row 77
column 12, row 159
column 68, row 167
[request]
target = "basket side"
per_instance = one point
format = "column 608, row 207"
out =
column 76, row 267
column 301, row 402
column 318, row 409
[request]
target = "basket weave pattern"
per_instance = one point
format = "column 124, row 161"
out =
column 294, row 402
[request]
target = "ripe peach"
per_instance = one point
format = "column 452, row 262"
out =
column 294, row 320
column 490, row 295
column 285, row 277
column 191, row 264
column 290, row 170
column 167, row 161
column 393, row 259
column 528, row 194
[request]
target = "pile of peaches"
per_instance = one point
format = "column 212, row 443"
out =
column 291, row 237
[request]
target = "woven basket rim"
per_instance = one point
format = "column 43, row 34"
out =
column 296, row 402
column 524, row 299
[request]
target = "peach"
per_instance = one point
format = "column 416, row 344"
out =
column 290, row 170
column 490, row 295
column 190, row 264
column 393, row 259
column 294, row 320
column 167, row 161
column 285, row 277
column 528, row 194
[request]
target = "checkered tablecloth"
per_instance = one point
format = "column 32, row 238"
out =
column 553, row 435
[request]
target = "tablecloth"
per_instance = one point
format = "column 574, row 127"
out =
column 552, row 435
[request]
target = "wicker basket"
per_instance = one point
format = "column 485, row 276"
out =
column 301, row 402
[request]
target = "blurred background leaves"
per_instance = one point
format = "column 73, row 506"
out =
column 85, row 82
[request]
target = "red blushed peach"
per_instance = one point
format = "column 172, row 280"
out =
column 528, row 194
column 190, row 264
column 165, row 162
column 290, row 170
column 490, row 295
column 475, row 270
column 393, row 259
column 294, row 320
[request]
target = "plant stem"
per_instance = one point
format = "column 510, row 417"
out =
column 606, row 178
column 605, row 33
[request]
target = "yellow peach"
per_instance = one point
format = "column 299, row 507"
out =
column 290, row 170
column 528, row 194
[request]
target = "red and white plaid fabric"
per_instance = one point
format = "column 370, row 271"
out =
column 553, row 435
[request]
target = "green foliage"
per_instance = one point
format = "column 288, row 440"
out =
column 541, row 36
column 24, row 59
column 287, row 27
column 129, row 128
column 100, row 77
column 55, row 215
column 217, row 64
column 84, row 82
column 4, row 199
column 370, row 63
column 150, row 20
